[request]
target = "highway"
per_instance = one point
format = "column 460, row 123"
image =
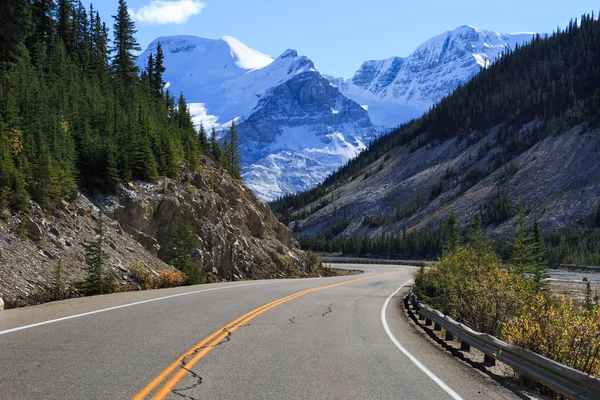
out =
column 319, row 338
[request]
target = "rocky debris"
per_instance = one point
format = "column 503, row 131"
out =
column 558, row 179
column 27, row 261
column 1, row 304
column 239, row 236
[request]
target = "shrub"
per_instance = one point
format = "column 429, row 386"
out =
column 142, row 275
column 559, row 330
column 472, row 288
column 171, row 277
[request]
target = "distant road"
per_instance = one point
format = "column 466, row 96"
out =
column 321, row 338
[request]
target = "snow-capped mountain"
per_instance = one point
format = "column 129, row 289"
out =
column 295, row 126
column 397, row 89
column 299, row 132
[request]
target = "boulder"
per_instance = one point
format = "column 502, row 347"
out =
column 34, row 232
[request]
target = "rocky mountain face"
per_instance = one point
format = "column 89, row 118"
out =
column 298, row 125
column 290, row 116
column 240, row 238
column 401, row 88
column 299, row 132
column 558, row 179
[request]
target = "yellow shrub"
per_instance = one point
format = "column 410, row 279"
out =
column 473, row 289
column 171, row 277
column 559, row 330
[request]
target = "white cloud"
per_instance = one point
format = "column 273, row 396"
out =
column 161, row 12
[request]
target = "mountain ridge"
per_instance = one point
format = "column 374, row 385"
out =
column 224, row 81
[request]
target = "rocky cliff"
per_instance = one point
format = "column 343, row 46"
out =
column 240, row 238
column 301, row 131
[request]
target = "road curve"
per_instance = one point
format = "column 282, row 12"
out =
column 321, row 338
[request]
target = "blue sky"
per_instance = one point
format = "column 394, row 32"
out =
column 338, row 35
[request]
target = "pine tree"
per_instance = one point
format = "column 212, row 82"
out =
column 99, row 42
column 521, row 254
column 98, row 280
column 538, row 266
column 44, row 24
column 231, row 146
column 215, row 148
column 57, row 286
column 452, row 236
column 156, row 79
column 183, row 244
column 124, row 46
column 203, row 140
column 478, row 241
column 64, row 22
column 149, row 72
column 12, row 29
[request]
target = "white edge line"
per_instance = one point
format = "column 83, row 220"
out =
column 20, row 328
column 412, row 358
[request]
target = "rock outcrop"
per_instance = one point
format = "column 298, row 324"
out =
column 239, row 237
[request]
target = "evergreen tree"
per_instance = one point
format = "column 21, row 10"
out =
column 12, row 29
column 57, row 286
column 99, row 280
column 124, row 46
column 203, row 140
column 215, row 148
column 521, row 256
column 43, row 12
column 452, row 235
column 183, row 244
column 231, row 158
column 99, row 43
column 156, row 78
column 65, row 29
column 538, row 266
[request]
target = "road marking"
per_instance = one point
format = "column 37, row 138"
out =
column 412, row 358
column 20, row 328
column 202, row 348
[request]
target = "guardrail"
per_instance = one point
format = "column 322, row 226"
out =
column 361, row 260
column 562, row 379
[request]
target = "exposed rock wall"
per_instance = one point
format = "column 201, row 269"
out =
column 240, row 238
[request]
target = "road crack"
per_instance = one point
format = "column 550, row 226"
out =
column 329, row 310
column 198, row 378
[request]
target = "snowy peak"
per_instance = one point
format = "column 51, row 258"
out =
column 244, row 56
column 192, row 60
column 397, row 89
column 465, row 41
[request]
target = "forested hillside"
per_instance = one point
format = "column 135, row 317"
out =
column 522, row 134
column 76, row 111
column 104, row 179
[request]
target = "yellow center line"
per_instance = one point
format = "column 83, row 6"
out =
column 202, row 348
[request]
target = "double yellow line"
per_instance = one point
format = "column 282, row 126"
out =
column 200, row 349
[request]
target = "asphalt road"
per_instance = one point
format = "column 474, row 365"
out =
column 322, row 338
